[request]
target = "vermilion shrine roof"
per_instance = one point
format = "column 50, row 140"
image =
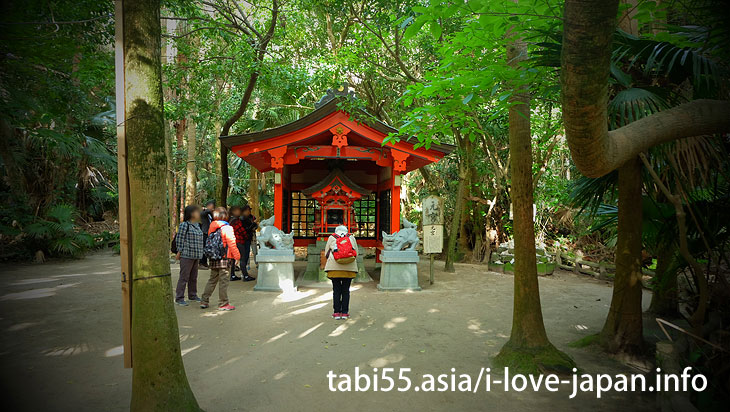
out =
column 327, row 133
column 339, row 183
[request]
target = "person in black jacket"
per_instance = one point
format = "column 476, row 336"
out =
column 244, row 226
column 205, row 218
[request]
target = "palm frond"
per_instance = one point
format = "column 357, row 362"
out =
column 632, row 104
column 676, row 62
column 588, row 194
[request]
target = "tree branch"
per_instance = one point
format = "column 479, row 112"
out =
column 698, row 316
column 587, row 47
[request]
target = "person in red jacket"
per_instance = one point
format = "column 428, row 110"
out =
column 219, row 274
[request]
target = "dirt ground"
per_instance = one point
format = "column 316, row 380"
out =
column 61, row 341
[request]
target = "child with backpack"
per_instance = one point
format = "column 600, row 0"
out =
column 341, row 268
column 220, row 247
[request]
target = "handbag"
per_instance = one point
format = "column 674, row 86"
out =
column 173, row 244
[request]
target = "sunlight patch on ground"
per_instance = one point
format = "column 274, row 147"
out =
column 476, row 327
column 72, row 350
column 342, row 328
column 281, row 374
column 277, row 337
column 234, row 359
column 302, row 310
column 33, row 281
column 115, row 351
column 580, row 327
column 321, row 298
column 36, row 293
column 370, row 322
column 293, row 296
column 386, row 360
column 54, row 278
column 188, row 350
column 394, row 322
column 214, row 313
column 433, row 310
column 21, row 326
column 310, row 330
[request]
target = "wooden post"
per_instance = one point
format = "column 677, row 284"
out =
column 125, row 241
column 430, row 276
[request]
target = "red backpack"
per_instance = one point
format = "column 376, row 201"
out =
column 344, row 252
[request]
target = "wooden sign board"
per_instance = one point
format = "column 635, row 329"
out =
column 433, row 224
column 433, row 211
column 433, row 238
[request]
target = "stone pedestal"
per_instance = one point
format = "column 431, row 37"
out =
column 362, row 274
column 399, row 270
column 313, row 276
column 275, row 270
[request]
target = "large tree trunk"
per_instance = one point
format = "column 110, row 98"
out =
column 623, row 330
column 458, row 209
column 463, row 241
column 528, row 349
column 191, row 181
column 217, row 164
column 587, row 46
column 159, row 382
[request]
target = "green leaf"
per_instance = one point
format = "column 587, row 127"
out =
column 414, row 28
column 436, row 30
column 622, row 78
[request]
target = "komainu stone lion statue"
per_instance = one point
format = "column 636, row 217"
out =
column 271, row 237
column 404, row 239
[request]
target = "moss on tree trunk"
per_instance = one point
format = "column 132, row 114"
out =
column 528, row 349
column 159, row 382
column 623, row 330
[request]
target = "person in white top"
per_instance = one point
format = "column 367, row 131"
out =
column 340, row 272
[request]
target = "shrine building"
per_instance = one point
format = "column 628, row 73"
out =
column 330, row 169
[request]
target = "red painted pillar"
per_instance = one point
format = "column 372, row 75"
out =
column 277, row 163
column 399, row 167
column 395, row 201
column 278, row 199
